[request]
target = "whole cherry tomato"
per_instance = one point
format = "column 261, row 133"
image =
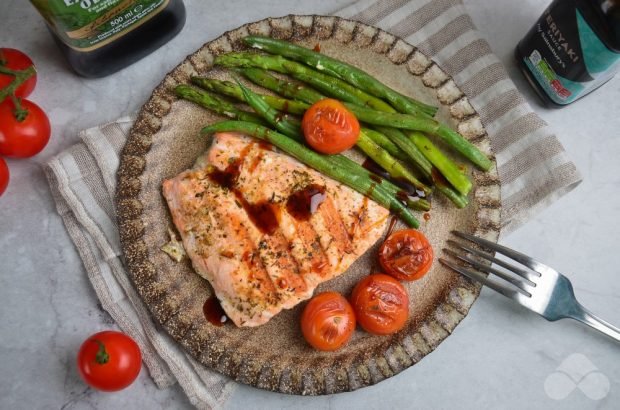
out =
column 4, row 175
column 16, row 60
column 327, row 321
column 23, row 139
column 381, row 304
column 406, row 255
column 329, row 127
column 109, row 361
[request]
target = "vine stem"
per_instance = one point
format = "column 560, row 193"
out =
column 20, row 76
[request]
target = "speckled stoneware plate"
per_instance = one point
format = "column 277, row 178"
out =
column 165, row 140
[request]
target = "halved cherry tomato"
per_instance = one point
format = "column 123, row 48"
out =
column 329, row 127
column 406, row 255
column 328, row 321
column 381, row 304
column 16, row 60
column 4, row 175
column 109, row 360
column 23, row 139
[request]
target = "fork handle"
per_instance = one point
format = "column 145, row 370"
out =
column 585, row 316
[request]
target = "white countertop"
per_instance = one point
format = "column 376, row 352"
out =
column 500, row 355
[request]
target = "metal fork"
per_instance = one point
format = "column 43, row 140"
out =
column 539, row 288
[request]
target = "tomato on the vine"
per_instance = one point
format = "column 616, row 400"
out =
column 23, row 139
column 406, row 255
column 381, row 304
column 109, row 360
column 328, row 321
column 4, row 175
column 16, row 60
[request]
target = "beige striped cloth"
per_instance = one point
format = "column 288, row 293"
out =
column 533, row 169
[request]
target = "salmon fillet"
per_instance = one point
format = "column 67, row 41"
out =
column 264, row 229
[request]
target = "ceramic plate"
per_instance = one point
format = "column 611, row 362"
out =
column 165, row 140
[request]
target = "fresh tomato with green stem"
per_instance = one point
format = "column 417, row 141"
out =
column 4, row 175
column 406, row 255
column 26, row 137
column 329, row 127
column 328, row 321
column 381, row 304
column 109, row 360
column 14, row 60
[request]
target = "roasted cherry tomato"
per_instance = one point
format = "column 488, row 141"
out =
column 4, row 175
column 23, row 139
column 327, row 321
column 381, row 304
column 329, row 127
column 16, row 60
column 406, row 255
column 109, row 360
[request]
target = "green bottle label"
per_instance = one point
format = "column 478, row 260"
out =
column 85, row 25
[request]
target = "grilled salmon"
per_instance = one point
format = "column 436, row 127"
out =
column 264, row 229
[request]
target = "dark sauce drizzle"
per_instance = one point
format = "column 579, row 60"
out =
column 281, row 115
column 438, row 179
column 264, row 215
column 213, row 312
column 393, row 221
column 302, row 204
column 285, row 107
column 407, row 189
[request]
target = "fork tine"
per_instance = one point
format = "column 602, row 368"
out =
column 531, row 263
column 478, row 277
column 511, row 279
column 529, row 277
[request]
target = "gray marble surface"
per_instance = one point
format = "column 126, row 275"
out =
column 500, row 356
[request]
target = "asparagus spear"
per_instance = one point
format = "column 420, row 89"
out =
column 418, row 144
column 412, row 123
column 344, row 71
column 233, row 90
column 215, row 104
column 447, row 168
column 387, row 144
column 360, row 183
column 425, row 166
column 324, row 83
column 282, row 87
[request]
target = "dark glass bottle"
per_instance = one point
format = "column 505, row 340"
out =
column 573, row 49
column 100, row 37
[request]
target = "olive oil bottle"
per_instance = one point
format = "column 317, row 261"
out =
column 100, row 37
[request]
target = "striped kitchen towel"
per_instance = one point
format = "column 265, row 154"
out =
column 533, row 169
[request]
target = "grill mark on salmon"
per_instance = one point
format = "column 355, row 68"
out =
column 303, row 246
column 336, row 226
column 283, row 268
column 256, row 273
